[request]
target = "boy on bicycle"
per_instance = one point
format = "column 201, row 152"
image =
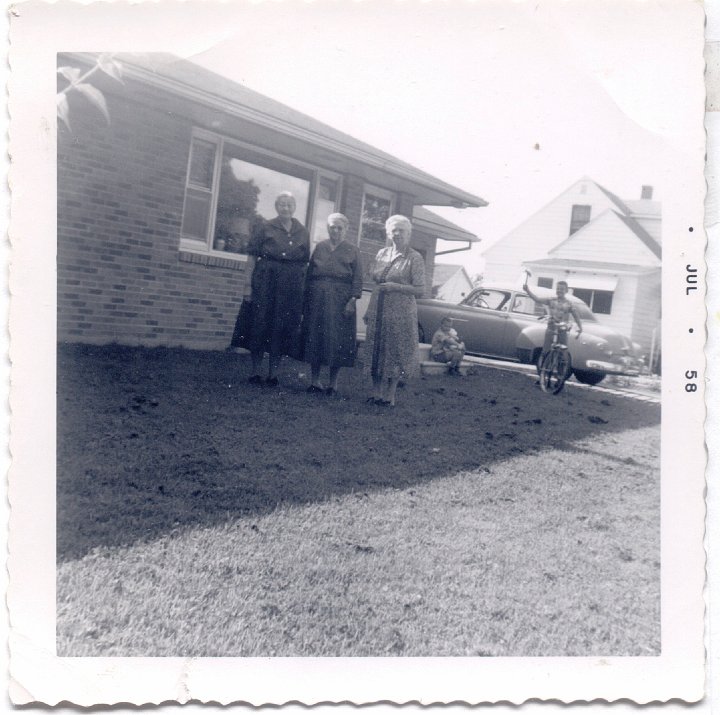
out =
column 559, row 311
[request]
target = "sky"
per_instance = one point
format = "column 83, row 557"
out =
column 511, row 101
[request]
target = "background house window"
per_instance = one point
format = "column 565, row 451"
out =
column 579, row 217
column 599, row 301
column 545, row 282
column 377, row 208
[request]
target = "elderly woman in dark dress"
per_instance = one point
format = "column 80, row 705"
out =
column 391, row 344
column 278, row 255
column 334, row 283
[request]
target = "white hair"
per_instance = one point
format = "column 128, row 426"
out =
column 339, row 217
column 285, row 195
column 399, row 219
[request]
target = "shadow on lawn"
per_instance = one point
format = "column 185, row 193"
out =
column 156, row 440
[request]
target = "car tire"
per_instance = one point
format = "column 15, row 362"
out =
column 589, row 377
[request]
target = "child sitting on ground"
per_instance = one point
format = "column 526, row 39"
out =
column 447, row 346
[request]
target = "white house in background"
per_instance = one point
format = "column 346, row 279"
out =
column 451, row 283
column 607, row 249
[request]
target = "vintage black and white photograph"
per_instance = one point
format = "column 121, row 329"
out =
column 358, row 330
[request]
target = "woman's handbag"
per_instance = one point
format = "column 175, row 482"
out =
column 243, row 324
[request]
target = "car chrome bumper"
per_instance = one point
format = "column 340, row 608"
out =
column 612, row 367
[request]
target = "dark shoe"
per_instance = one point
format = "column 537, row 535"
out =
column 314, row 389
column 272, row 382
column 255, row 380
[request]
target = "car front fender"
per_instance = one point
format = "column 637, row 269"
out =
column 533, row 338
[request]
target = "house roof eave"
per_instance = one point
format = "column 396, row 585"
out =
column 309, row 131
column 567, row 264
column 440, row 227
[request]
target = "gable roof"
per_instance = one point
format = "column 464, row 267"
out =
column 613, row 198
column 644, row 207
column 645, row 238
column 191, row 81
column 641, row 233
column 443, row 272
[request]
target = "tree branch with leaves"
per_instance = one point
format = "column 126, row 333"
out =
column 78, row 82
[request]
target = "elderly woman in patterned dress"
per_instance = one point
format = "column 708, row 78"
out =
column 391, row 344
column 334, row 283
column 278, row 255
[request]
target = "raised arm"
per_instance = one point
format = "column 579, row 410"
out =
column 536, row 298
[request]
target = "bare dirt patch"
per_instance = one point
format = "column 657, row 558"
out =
column 200, row 515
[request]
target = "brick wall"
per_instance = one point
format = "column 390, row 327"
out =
column 121, row 277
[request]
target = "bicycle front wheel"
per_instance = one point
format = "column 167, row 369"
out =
column 554, row 370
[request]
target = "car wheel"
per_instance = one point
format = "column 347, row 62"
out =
column 589, row 377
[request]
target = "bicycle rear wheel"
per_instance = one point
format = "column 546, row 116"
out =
column 554, row 370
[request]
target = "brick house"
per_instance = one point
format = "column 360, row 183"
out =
column 155, row 208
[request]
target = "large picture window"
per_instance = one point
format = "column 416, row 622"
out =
column 231, row 187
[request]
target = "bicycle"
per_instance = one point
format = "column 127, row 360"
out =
column 555, row 363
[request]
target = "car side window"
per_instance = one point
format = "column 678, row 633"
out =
column 527, row 306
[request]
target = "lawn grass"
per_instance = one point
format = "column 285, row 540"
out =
column 200, row 516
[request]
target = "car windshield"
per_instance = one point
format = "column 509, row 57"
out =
column 488, row 298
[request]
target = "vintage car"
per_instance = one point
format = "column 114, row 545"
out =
column 506, row 323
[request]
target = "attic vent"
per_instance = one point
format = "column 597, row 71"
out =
column 647, row 192
column 583, row 188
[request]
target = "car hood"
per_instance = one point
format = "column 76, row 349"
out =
column 614, row 339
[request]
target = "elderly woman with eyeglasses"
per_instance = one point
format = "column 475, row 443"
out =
column 391, row 343
column 333, row 284
column 278, row 255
